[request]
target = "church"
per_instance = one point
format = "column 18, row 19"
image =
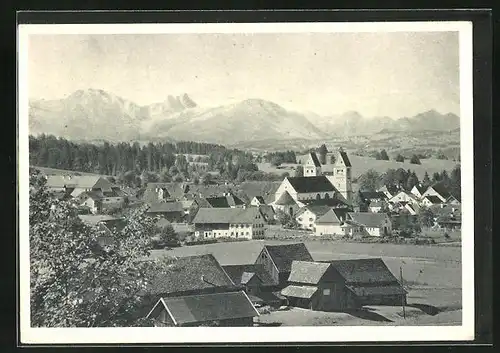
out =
column 315, row 187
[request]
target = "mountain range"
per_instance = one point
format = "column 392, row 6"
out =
column 96, row 114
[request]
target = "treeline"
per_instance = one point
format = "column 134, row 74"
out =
column 278, row 158
column 407, row 179
column 135, row 165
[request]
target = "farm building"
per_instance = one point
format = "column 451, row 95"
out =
column 454, row 200
column 191, row 275
column 225, row 201
column 172, row 211
column 371, row 281
column 256, row 282
column 277, row 260
column 369, row 223
column 245, row 223
column 373, row 196
column 317, row 286
column 403, row 197
column 268, row 213
column 232, row 309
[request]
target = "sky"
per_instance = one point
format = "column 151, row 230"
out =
column 376, row 74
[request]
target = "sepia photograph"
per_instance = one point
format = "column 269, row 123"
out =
column 266, row 182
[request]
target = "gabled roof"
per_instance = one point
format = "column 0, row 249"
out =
column 283, row 255
column 307, row 272
column 376, row 204
column 329, row 217
column 235, row 272
column 285, row 199
column 311, row 184
column 389, row 188
column 190, row 273
column 343, row 156
column 229, row 200
column 247, row 277
column 364, row 271
column 94, row 195
column 165, row 207
column 226, row 215
column 420, row 188
column 267, row 211
column 456, row 197
column 260, row 199
column 433, row 199
column 314, row 159
column 441, row 189
column 80, row 181
column 368, row 219
column 305, row 292
column 206, row 307
column 317, row 210
column 337, row 202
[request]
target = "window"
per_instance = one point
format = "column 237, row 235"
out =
column 327, row 196
column 232, row 233
column 310, row 219
column 318, row 197
column 326, row 291
column 247, row 233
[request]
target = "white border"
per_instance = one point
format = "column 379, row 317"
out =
column 272, row 334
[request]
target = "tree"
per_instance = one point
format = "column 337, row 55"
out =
column 426, row 217
column 414, row 159
column 400, row 158
column 76, row 279
column 411, row 181
column 283, row 217
column 426, row 182
column 360, row 202
column 322, row 151
column 369, row 181
column 456, row 181
column 383, row 155
column 299, row 171
column 167, row 236
column 206, row 179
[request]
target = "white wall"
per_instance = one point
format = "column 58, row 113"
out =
column 329, row 229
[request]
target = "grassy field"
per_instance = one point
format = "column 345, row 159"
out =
column 362, row 164
column 432, row 276
column 52, row 171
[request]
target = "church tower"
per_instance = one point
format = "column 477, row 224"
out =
column 342, row 176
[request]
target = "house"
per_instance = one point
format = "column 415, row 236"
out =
column 403, row 197
column 277, row 260
column 257, row 201
column 439, row 190
column 233, row 309
column 447, row 216
column 431, row 200
column 191, row 275
column 454, row 200
column 157, row 192
column 389, row 190
column 307, row 215
column 90, row 200
column 227, row 200
column 371, row 281
column 312, row 166
column 373, row 196
column 77, row 183
column 369, row 223
column 418, row 191
column 330, row 223
column 173, row 211
column 245, row 223
column 318, row 286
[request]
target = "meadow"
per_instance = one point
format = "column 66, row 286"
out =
column 361, row 165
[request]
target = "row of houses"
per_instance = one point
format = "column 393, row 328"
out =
column 93, row 193
column 198, row 291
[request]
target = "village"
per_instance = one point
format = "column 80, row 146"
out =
column 283, row 221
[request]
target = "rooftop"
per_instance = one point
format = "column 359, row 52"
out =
column 311, row 184
column 226, row 215
column 283, row 255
